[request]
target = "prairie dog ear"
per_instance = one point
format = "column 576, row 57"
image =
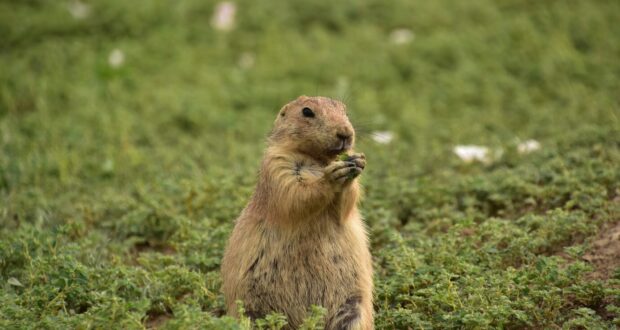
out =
column 302, row 98
column 282, row 112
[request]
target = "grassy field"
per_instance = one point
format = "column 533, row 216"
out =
column 131, row 133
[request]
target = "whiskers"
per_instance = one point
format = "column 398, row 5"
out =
column 364, row 130
column 369, row 131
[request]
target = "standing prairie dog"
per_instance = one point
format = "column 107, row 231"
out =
column 300, row 241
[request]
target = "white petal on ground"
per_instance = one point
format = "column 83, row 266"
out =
column 528, row 146
column 401, row 36
column 116, row 58
column 224, row 16
column 470, row 153
column 246, row 60
column 78, row 9
column 383, row 137
column 108, row 166
column 14, row 282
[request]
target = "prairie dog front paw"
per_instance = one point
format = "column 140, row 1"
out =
column 358, row 158
column 341, row 172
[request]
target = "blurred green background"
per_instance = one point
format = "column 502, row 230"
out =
column 131, row 133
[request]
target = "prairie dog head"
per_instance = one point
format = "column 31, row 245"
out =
column 317, row 126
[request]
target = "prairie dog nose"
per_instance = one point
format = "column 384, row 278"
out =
column 343, row 136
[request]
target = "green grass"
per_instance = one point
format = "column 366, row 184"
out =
column 118, row 186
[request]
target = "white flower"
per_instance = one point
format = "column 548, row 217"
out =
column 470, row 153
column 246, row 60
column 383, row 137
column 224, row 16
column 401, row 36
column 528, row 146
column 116, row 58
column 78, row 9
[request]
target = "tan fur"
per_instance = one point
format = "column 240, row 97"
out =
column 301, row 241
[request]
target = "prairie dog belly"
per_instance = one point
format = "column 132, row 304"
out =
column 319, row 264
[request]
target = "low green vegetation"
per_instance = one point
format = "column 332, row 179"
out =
column 131, row 133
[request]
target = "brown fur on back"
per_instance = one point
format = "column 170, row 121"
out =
column 301, row 241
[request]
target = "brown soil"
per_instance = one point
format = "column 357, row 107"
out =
column 604, row 254
column 149, row 246
column 144, row 247
column 156, row 321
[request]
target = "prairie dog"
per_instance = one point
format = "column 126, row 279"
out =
column 300, row 241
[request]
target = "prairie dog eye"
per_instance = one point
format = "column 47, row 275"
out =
column 307, row 112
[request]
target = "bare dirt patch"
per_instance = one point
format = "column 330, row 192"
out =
column 605, row 252
column 156, row 321
column 146, row 247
